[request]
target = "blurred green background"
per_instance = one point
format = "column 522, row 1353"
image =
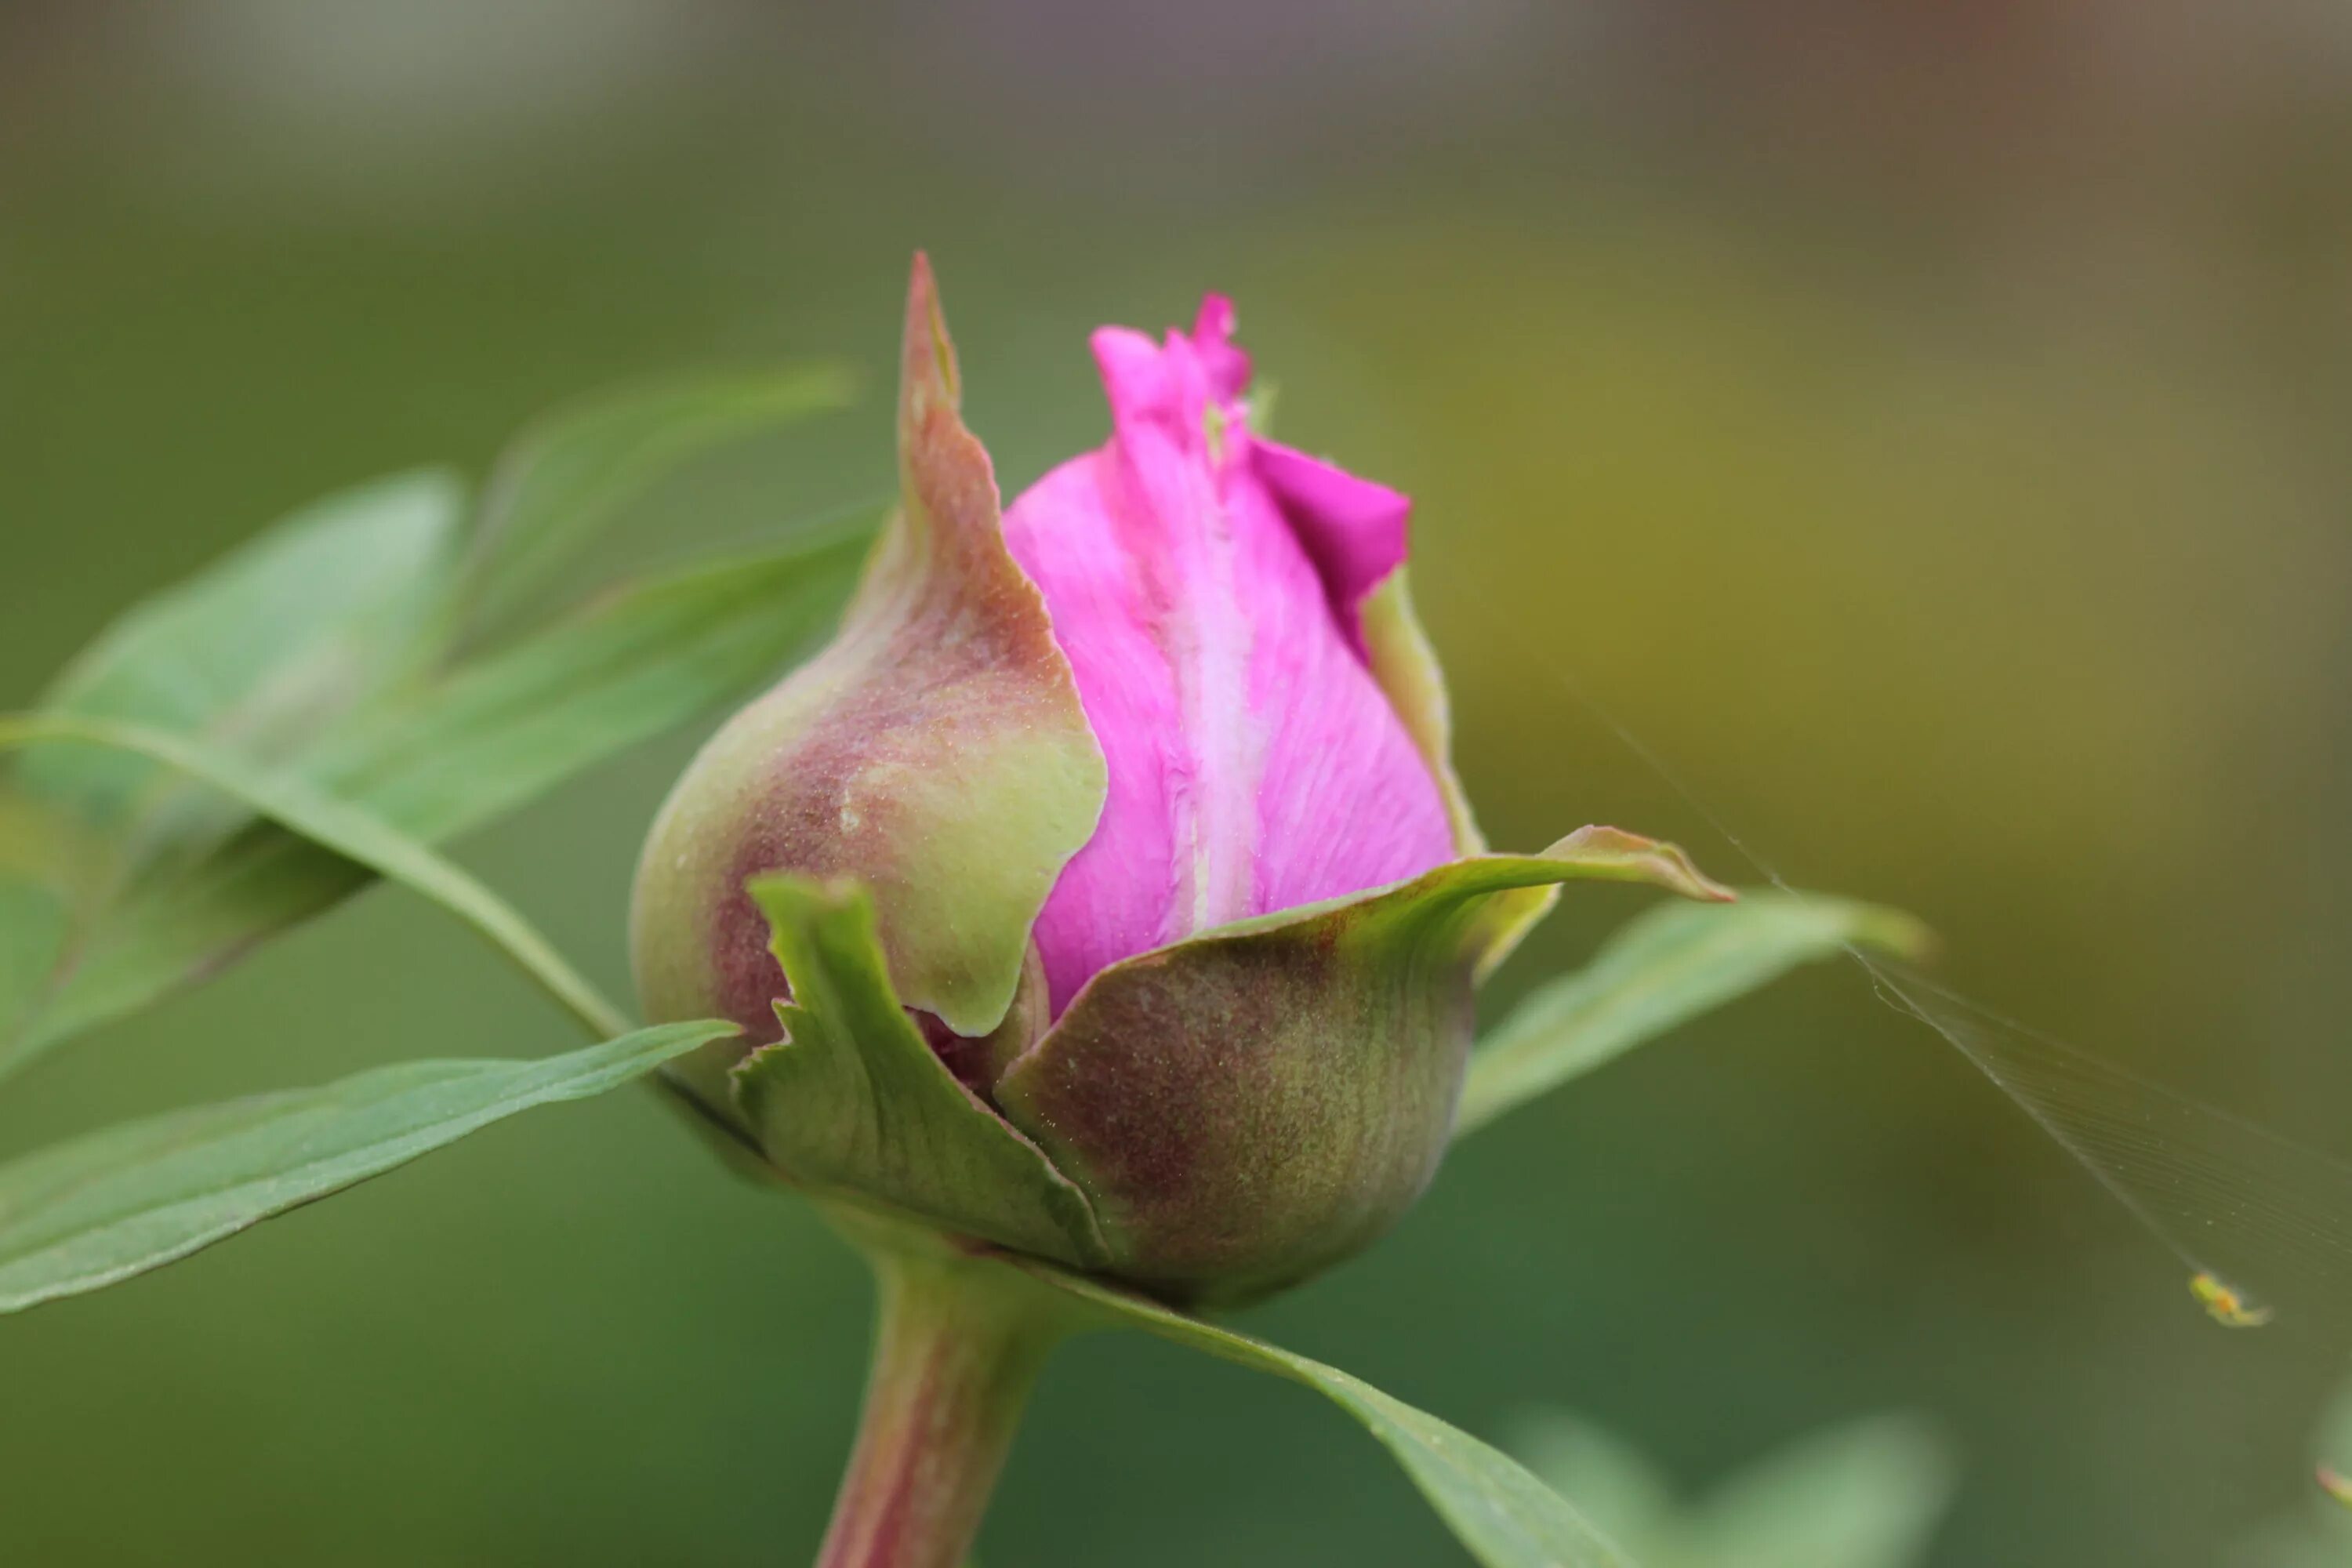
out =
column 1923, row 426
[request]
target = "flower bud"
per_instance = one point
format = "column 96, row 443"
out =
column 1104, row 890
column 1208, row 587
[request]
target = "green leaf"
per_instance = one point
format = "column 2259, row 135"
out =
column 348, row 831
column 264, row 649
column 1616, row 1485
column 353, row 645
column 1866, row 1495
column 1666, row 967
column 854, row 1103
column 435, row 758
column 502, row 729
column 35, row 926
column 1506, row 1516
column 569, row 475
column 119, row 1202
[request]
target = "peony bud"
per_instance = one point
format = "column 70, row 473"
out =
column 1141, row 794
column 1209, row 589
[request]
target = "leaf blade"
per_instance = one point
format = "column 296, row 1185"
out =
column 130, row 1199
column 1504, row 1516
column 1661, row 969
column 269, row 643
column 567, row 476
column 349, row 831
column 503, row 728
column 442, row 758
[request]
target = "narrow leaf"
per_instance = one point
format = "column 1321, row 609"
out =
column 1666, row 967
column 348, row 831
column 264, row 649
column 119, row 1202
column 1506, row 1516
column 501, row 729
column 434, row 758
column 569, row 475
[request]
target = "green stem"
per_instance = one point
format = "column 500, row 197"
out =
column 958, row 1346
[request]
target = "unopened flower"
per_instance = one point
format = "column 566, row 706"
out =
column 1142, row 790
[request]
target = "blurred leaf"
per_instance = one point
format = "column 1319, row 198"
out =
column 853, row 1099
column 1506, row 1516
column 568, row 476
column 336, row 826
column 1666, row 966
column 2333, row 1460
column 1864, row 1496
column 1867, row 1495
column 2335, row 1439
column 434, row 756
column 2318, row 1531
column 1613, row 1482
column 34, row 925
column 119, row 1202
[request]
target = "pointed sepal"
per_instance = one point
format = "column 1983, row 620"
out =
column 936, row 750
column 854, row 1103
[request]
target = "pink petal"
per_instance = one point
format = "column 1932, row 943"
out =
column 1206, row 586
column 1354, row 529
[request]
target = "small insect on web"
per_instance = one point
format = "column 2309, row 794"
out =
column 2225, row 1303
column 2233, row 1201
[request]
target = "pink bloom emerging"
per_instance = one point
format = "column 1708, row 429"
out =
column 1207, row 586
column 1048, row 752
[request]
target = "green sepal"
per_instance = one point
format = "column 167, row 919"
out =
column 1252, row 1104
column 854, row 1103
column 1404, row 664
column 936, row 750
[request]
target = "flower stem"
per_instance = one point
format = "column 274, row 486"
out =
column 957, row 1346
